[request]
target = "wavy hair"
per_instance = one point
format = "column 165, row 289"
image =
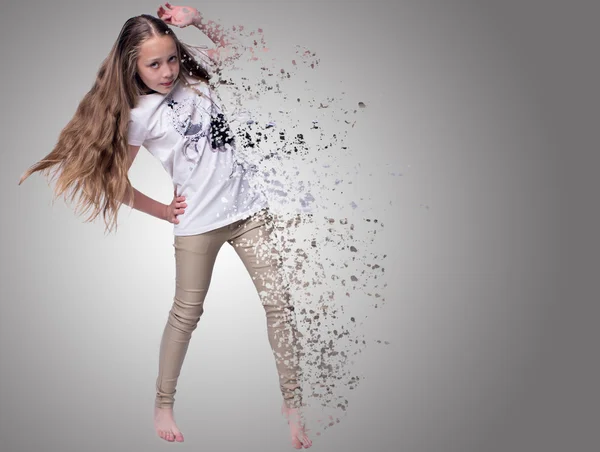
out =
column 91, row 156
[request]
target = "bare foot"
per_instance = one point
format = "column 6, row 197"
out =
column 297, row 431
column 164, row 424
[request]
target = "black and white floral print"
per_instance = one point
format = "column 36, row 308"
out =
column 190, row 121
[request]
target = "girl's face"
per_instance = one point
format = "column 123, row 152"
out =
column 158, row 64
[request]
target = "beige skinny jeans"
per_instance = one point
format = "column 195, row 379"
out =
column 195, row 257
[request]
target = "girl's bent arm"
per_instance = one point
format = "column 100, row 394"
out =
column 183, row 16
column 147, row 205
column 142, row 202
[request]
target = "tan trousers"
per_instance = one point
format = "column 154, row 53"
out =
column 195, row 256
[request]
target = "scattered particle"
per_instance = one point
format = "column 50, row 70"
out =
column 304, row 170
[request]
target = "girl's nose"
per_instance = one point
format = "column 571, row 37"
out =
column 168, row 73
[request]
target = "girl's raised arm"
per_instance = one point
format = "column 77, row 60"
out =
column 183, row 16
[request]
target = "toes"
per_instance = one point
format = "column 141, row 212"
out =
column 306, row 442
column 177, row 434
column 296, row 443
column 167, row 436
column 170, row 435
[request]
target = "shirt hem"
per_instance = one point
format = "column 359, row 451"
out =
column 222, row 223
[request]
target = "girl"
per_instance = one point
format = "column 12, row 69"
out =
column 150, row 91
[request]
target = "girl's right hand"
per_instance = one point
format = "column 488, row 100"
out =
column 179, row 16
column 177, row 207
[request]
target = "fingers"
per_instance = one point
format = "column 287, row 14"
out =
column 177, row 207
column 179, row 16
column 165, row 17
column 165, row 14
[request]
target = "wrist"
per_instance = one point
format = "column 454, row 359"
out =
column 197, row 19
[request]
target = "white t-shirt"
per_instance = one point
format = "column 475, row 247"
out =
column 175, row 128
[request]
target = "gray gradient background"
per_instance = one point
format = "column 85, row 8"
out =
column 490, row 112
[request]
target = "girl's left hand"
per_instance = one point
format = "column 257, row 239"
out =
column 179, row 16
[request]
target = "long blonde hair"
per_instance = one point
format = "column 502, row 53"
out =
column 92, row 153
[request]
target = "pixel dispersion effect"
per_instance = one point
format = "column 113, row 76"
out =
column 334, row 278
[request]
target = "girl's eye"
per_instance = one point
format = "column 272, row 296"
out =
column 155, row 64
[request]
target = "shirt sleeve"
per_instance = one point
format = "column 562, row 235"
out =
column 136, row 133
